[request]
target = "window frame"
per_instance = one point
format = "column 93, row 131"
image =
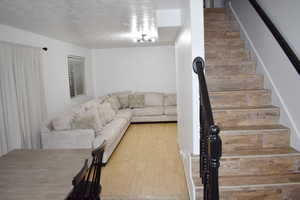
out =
column 81, row 61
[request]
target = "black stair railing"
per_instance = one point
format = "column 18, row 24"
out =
column 86, row 184
column 277, row 35
column 210, row 141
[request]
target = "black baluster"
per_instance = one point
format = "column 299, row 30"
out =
column 215, row 146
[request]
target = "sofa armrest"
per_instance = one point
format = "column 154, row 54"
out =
column 69, row 139
column 99, row 140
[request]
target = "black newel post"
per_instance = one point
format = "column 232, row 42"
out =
column 215, row 147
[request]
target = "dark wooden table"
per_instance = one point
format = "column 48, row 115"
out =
column 39, row 174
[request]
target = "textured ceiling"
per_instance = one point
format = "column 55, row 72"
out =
column 89, row 23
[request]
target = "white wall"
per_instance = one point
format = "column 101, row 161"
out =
column 136, row 69
column 189, row 44
column 55, row 67
column 280, row 75
column 285, row 15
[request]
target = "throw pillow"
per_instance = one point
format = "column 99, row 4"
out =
column 124, row 101
column 63, row 122
column 88, row 120
column 136, row 101
column 114, row 102
column 105, row 112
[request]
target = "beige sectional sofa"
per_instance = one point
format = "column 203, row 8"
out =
column 107, row 119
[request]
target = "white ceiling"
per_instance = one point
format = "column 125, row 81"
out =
column 89, row 23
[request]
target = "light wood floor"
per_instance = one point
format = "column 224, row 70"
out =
column 146, row 165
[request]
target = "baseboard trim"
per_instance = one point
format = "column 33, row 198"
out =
column 186, row 159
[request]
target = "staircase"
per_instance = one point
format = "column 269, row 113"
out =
column 257, row 161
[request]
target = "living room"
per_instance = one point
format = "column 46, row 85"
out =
column 83, row 55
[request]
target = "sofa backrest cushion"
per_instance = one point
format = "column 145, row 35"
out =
column 88, row 120
column 114, row 102
column 123, row 98
column 63, row 122
column 106, row 112
column 101, row 99
column 154, row 99
column 136, row 100
column 170, row 100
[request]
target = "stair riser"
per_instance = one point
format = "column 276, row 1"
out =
column 216, row 17
column 228, row 55
column 223, row 47
column 218, row 27
column 227, row 61
column 279, row 192
column 225, row 51
column 248, row 166
column 216, row 23
column 240, row 99
column 251, row 140
column 259, row 165
column 214, row 70
column 224, row 44
column 220, row 36
column 226, row 83
column 246, row 117
column 214, row 11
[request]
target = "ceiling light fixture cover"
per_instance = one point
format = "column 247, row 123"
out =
column 145, row 39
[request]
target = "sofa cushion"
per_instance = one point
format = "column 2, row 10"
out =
column 88, row 120
column 106, row 113
column 154, row 99
column 170, row 110
column 101, row 99
column 63, row 122
column 170, row 100
column 136, row 100
column 151, row 110
column 125, row 114
column 114, row 102
column 112, row 130
column 89, row 104
column 123, row 98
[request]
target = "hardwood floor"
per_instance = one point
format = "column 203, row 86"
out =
column 146, row 165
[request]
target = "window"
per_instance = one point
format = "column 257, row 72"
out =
column 76, row 75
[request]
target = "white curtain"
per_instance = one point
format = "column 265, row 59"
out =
column 22, row 97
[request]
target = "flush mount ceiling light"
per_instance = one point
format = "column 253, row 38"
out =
column 144, row 26
column 144, row 38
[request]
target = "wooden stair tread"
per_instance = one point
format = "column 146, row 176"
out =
column 222, row 40
column 254, row 181
column 268, row 152
column 247, row 108
column 223, row 50
column 240, row 129
column 288, row 151
column 238, row 91
column 238, row 76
